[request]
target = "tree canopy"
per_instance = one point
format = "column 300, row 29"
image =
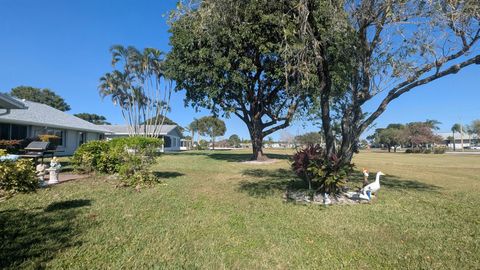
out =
column 138, row 85
column 211, row 126
column 356, row 53
column 44, row 96
column 93, row 118
column 234, row 140
column 310, row 138
column 227, row 55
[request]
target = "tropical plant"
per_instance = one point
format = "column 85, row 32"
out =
column 139, row 87
column 455, row 128
column 327, row 175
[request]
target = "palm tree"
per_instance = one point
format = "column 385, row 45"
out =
column 456, row 128
column 137, row 89
column 193, row 127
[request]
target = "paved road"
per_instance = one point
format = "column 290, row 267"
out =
column 463, row 153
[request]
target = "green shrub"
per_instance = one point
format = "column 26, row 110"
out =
column 439, row 151
column 327, row 175
column 17, row 176
column 427, row 151
column 130, row 157
column 3, row 152
column 95, row 156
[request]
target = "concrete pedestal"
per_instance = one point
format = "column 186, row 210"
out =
column 53, row 176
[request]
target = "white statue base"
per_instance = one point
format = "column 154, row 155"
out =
column 53, row 176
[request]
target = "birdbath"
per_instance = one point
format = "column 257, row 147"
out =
column 54, row 170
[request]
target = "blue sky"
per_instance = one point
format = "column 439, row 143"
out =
column 63, row 45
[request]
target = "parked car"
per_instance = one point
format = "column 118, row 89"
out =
column 475, row 147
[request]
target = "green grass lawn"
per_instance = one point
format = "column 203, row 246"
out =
column 213, row 212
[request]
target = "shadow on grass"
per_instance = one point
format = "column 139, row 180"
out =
column 393, row 182
column 268, row 182
column 31, row 238
column 229, row 156
column 67, row 205
column 167, row 175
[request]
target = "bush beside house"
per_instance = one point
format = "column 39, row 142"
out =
column 130, row 158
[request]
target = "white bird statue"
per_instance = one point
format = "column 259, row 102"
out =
column 373, row 187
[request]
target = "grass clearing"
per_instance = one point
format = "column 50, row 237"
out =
column 214, row 212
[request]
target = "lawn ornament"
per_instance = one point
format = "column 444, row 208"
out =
column 373, row 187
column 365, row 177
column 54, row 170
column 326, row 199
column 40, row 171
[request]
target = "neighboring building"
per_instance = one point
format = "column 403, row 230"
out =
column 171, row 134
column 39, row 119
column 468, row 141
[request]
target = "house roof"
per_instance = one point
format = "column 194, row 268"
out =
column 446, row 135
column 43, row 115
column 8, row 102
column 123, row 129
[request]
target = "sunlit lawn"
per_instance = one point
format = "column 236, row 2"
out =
column 213, row 212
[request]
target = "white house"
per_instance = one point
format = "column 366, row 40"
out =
column 468, row 140
column 171, row 134
column 30, row 119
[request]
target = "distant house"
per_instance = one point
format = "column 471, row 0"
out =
column 34, row 119
column 449, row 141
column 171, row 134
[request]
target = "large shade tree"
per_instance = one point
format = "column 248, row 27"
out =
column 359, row 52
column 227, row 55
column 44, row 96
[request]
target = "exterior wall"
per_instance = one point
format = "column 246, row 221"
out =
column 175, row 141
column 72, row 142
column 93, row 136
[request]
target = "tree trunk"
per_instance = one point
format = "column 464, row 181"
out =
column 454, row 141
column 213, row 143
column 257, row 145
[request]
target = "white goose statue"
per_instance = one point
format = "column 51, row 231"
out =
column 373, row 187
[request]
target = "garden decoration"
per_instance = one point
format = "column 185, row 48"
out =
column 326, row 199
column 373, row 187
column 54, row 171
column 365, row 177
column 40, row 171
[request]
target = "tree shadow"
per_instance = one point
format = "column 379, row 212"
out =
column 168, row 175
column 270, row 182
column 67, row 205
column 230, row 157
column 227, row 155
column 393, row 182
column 32, row 237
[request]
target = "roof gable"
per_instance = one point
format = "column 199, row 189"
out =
column 38, row 114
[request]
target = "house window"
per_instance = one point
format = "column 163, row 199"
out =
column 18, row 132
column 167, row 142
column 4, row 131
column 51, row 131
column 12, row 132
